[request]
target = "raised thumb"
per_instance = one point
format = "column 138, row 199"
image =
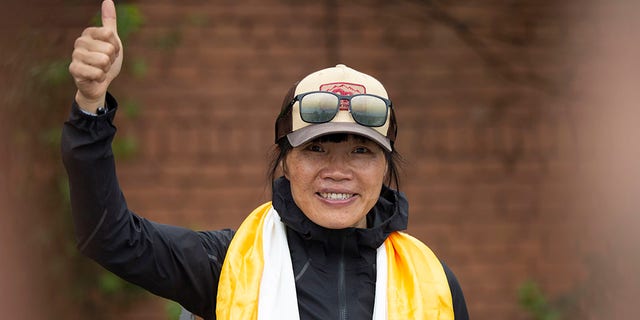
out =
column 109, row 15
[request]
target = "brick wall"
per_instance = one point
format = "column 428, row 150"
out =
column 483, row 126
column 475, row 87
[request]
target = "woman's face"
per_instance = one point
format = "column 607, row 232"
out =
column 335, row 184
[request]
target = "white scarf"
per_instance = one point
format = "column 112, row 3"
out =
column 277, row 297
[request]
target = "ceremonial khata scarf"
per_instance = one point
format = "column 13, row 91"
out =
column 410, row 281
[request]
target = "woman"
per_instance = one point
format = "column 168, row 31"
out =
column 326, row 247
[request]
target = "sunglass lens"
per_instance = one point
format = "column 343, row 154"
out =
column 369, row 110
column 318, row 107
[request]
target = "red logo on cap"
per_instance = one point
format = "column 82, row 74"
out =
column 344, row 89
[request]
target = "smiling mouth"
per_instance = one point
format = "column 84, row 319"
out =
column 336, row 196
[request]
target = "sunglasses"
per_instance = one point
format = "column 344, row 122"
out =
column 322, row 106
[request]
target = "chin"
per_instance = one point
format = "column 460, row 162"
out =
column 333, row 224
column 338, row 226
column 336, row 218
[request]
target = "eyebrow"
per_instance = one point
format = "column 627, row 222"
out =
column 341, row 137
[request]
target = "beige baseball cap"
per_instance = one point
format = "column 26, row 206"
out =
column 344, row 81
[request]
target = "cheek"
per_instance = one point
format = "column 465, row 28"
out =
column 298, row 172
column 289, row 166
column 377, row 170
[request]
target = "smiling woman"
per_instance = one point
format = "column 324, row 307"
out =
column 336, row 182
column 328, row 246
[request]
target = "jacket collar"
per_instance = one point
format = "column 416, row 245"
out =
column 388, row 215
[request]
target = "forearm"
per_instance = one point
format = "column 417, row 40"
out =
column 170, row 261
column 106, row 230
column 88, row 159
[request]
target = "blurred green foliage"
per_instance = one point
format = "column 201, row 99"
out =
column 124, row 148
column 533, row 300
column 198, row 20
column 172, row 310
column 52, row 73
column 130, row 108
column 51, row 137
column 111, row 284
column 138, row 68
column 169, row 40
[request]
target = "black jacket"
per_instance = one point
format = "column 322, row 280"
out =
column 334, row 269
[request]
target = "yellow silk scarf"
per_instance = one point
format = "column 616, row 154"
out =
column 417, row 286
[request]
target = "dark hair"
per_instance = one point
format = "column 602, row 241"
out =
column 283, row 147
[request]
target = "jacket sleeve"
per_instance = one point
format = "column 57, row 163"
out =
column 459, row 304
column 172, row 262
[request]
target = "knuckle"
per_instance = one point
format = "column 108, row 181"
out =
column 79, row 42
column 72, row 69
column 88, row 73
column 95, row 74
column 83, row 73
column 106, row 33
column 76, row 54
column 103, row 61
column 90, row 32
column 111, row 49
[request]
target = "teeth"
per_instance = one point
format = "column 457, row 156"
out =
column 336, row 196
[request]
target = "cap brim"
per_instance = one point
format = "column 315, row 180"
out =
column 311, row 132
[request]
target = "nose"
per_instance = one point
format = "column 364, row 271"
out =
column 336, row 168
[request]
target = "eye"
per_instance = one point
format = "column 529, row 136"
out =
column 361, row 149
column 314, row 148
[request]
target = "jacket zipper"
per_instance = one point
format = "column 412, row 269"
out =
column 342, row 290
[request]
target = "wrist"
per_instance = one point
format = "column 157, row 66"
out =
column 90, row 105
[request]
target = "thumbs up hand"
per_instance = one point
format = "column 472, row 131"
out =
column 96, row 60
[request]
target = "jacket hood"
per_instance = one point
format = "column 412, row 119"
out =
column 390, row 213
